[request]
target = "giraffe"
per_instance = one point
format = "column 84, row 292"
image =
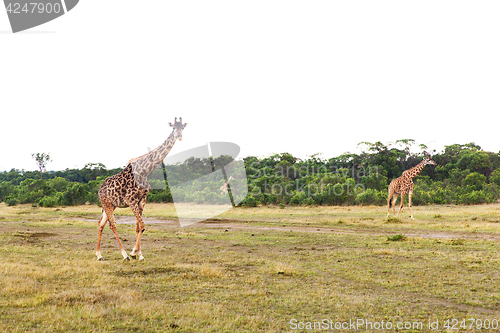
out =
column 223, row 188
column 403, row 185
column 130, row 188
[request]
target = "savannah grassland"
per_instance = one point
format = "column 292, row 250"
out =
column 250, row 269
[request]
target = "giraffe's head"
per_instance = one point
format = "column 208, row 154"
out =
column 178, row 126
column 428, row 160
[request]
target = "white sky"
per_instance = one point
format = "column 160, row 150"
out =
column 101, row 83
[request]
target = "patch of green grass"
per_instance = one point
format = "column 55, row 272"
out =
column 396, row 238
column 393, row 220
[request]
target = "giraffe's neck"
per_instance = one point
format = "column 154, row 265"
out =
column 145, row 164
column 415, row 170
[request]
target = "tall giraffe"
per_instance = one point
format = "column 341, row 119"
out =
column 403, row 185
column 130, row 188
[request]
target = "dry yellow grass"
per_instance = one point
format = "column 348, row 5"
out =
column 251, row 269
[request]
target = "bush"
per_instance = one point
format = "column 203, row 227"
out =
column 51, row 201
column 474, row 181
column 308, row 201
column 6, row 189
column 249, row 201
column 492, row 192
column 160, row 196
column 372, row 197
column 472, row 198
column 11, row 201
column 76, row 194
column 301, row 198
column 495, row 176
column 58, row 184
column 440, row 196
column 31, row 191
column 272, row 199
column 297, row 198
column 396, row 238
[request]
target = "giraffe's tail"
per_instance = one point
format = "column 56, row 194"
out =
column 389, row 195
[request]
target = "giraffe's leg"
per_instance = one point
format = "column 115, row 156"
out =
column 108, row 209
column 394, row 200
column 402, row 203
column 389, row 197
column 100, row 226
column 409, row 204
column 142, row 203
column 139, row 228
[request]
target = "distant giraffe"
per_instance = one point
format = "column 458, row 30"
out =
column 130, row 188
column 403, row 185
column 223, row 188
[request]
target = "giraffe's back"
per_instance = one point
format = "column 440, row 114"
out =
column 399, row 185
column 118, row 187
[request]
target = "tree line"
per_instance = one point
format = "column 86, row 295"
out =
column 465, row 174
column 59, row 188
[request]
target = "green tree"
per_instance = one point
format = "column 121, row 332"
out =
column 475, row 160
column 6, row 189
column 59, row 184
column 93, row 170
column 41, row 160
column 495, row 176
column 474, row 182
column 75, row 194
column 32, row 190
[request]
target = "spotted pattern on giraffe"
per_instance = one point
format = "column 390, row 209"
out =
column 404, row 185
column 130, row 188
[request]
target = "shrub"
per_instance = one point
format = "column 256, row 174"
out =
column 472, row 198
column 492, row 192
column 393, row 219
column 51, row 201
column 249, row 201
column 308, row 201
column 495, row 176
column 371, row 197
column 6, row 189
column 76, row 194
column 59, row 184
column 272, row 199
column 474, row 181
column 297, row 198
column 159, row 196
column 396, row 238
column 11, row 201
column 31, row 191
